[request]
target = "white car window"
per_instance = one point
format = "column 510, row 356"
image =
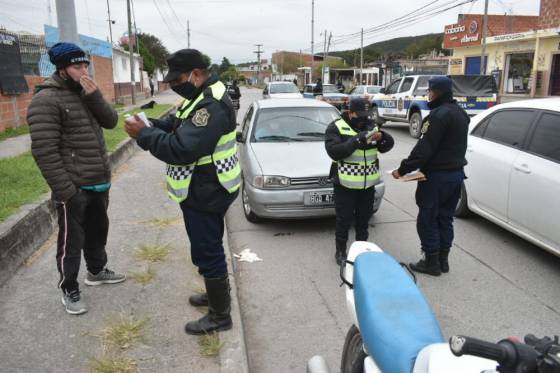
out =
column 283, row 88
column 247, row 121
column 546, row 138
column 393, row 87
column 509, row 127
column 407, row 84
column 373, row 90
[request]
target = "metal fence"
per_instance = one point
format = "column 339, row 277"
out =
column 34, row 58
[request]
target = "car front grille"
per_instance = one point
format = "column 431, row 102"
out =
column 311, row 182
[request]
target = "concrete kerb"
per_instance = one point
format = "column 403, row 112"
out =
column 22, row 233
column 233, row 356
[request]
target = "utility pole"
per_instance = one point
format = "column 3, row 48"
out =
column 312, row 41
column 361, row 56
column 484, row 33
column 49, row 9
column 131, row 54
column 324, row 58
column 110, row 23
column 188, row 34
column 66, row 19
column 258, row 52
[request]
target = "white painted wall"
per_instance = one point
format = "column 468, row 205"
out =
column 121, row 66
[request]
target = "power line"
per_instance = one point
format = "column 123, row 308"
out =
column 172, row 33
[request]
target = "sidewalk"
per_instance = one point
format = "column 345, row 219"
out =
column 15, row 146
column 38, row 335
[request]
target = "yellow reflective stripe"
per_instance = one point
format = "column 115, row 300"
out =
column 344, row 128
column 207, row 159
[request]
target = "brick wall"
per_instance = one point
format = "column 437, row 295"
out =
column 13, row 109
column 104, row 76
column 549, row 14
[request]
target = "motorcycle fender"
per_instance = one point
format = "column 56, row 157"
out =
column 438, row 358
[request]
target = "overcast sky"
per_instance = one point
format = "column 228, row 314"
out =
column 231, row 27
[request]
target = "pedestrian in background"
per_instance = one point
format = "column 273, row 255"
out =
column 353, row 143
column 66, row 117
column 318, row 88
column 440, row 155
column 203, row 174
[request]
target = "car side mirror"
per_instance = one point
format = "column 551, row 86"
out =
column 382, row 90
column 239, row 137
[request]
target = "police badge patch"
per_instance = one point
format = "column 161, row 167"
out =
column 201, row 117
column 425, row 127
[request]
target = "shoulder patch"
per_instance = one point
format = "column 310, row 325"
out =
column 425, row 127
column 200, row 118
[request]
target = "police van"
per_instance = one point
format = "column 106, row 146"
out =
column 406, row 99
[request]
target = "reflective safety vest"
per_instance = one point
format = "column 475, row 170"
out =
column 224, row 156
column 359, row 170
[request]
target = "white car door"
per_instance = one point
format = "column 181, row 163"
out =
column 534, row 199
column 493, row 148
column 405, row 91
column 388, row 104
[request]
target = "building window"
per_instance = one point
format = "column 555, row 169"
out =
column 518, row 72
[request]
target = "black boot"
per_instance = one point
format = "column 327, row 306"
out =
column 218, row 316
column 443, row 261
column 340, row 254
column 199, row 300
column 429, row 265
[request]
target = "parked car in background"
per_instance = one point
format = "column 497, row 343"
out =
column 513, row 170
column 285, row 165
column 406, row 99
column 365, row 91
column 281, row 90
column 330, row 95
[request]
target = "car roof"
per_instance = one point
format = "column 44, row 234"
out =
column 552, row 103
column 271, row 83
column 290, row 102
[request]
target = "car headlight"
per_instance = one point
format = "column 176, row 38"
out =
column 271, row 181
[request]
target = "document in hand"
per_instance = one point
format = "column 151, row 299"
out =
column 411, row 176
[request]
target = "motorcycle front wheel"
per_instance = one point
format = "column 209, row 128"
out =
column 353, row 354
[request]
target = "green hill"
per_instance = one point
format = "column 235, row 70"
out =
column 408, row 46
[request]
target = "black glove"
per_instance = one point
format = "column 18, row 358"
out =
column 361, row 140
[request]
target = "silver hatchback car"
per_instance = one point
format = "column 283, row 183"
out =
column 285, row 164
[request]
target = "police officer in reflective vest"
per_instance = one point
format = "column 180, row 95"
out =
column 353, row 143
column 203, row 174
column 440, row 155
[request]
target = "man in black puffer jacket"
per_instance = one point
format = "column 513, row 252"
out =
column 65, row 118
column 440, row 155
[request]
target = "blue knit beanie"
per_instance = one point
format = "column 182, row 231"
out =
column 66, row 54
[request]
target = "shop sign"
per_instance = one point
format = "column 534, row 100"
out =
column 455, row 29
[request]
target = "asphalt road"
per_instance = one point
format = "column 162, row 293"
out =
column 293, row 307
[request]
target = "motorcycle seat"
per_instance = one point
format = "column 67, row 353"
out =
column 395, row 320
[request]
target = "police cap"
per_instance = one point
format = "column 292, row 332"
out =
column 183, row 61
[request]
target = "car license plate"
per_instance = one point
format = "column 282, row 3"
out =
column 316, row 198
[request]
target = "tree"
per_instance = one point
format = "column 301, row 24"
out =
column 147, row 58
column 224, row 66
column 156, row 48
column 230, row 74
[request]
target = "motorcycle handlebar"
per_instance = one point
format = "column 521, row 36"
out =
column 502, row 353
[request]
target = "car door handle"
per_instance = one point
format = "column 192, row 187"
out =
column 522, row 168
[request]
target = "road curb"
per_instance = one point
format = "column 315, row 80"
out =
column 233, row 356
column 23, row 232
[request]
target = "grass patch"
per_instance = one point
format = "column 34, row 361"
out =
column 124, row 332
column 13, row 132
column 22, row 183
column 114, row 136
column 145, row 277
column 112, row 365
column 161, row 222
column 152, row 253
column 210, row 345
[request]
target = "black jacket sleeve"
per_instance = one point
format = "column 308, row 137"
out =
column 386, row 143
column 165, row 124
column 103, row 111
column 425, row 147
column 189, row 142
column 337, row 147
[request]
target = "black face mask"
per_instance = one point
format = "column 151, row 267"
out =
column 72, row 84
column 186, row 90
column 358, row 122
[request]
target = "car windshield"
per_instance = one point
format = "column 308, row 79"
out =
column 293, row 124
column 329, row 89
column 373, row 89
column 283, row 88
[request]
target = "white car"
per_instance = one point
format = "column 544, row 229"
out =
column 513, row 170
column 281, row 90
column 365, row 91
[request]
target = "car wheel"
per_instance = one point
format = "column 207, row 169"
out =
column 247, row 210
column 353, row 354
column 462, row 209
column 415, row 125
column 375, row 116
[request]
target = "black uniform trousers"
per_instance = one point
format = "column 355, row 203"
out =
column 437, row 198
column 205, row 231
column 353, row 206
column 82, row 224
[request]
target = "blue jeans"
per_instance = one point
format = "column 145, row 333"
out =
column 205, row 231
column 437, row 199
